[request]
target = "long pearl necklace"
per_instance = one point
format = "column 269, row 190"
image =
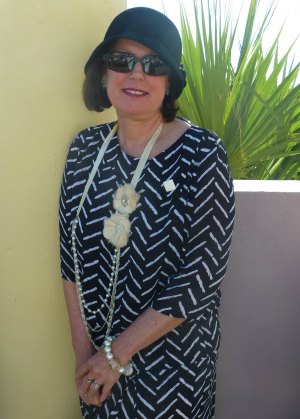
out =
column 116, row 231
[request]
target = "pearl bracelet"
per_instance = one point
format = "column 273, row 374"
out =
column 114, row 364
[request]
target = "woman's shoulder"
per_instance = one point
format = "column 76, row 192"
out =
column 200, row 136
column 203, row 143
column 88, row 139
column 94, row 132
column 86, row 144
column 198, row 139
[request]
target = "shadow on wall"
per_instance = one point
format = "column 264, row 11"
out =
column 259, row 368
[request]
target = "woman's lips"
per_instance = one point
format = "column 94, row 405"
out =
column 135, row 92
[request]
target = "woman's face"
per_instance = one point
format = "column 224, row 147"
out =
column 135, row 94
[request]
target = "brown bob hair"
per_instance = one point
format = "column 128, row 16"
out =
column 96, row 99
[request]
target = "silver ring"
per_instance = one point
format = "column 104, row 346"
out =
column 96, row 386
column 90, row 381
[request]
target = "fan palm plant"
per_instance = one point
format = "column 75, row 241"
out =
column 254, row 105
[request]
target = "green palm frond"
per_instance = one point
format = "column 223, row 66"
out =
column 254, row 105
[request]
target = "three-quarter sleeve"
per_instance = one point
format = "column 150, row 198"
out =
column 66, row 212
column 210, row 216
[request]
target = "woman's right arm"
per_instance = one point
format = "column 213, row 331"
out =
column 83, row 348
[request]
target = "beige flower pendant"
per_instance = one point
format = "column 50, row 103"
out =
column 126, row 199
column 117, row 227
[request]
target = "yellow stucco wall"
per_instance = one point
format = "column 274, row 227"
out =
column 44, row 45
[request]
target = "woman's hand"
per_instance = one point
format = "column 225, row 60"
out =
column 95, row 379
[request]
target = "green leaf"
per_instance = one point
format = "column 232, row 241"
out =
column 253, row 105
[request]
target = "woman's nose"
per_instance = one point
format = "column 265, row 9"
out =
column 137, row 70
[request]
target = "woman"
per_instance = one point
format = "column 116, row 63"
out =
column 146, row 219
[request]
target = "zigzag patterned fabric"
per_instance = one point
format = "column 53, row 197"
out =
column 174, row 262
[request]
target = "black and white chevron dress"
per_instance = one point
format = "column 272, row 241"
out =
column 175, row 261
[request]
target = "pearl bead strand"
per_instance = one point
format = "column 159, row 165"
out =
column 111, row 290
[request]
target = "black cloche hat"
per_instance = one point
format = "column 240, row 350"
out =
column 151, row 28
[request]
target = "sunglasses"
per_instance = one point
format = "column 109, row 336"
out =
column 124, row 62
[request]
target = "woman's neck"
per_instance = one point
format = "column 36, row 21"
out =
column 134, row 134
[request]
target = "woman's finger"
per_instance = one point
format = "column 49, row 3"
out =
column 106, row 391
column 83, row 387
column 82, row 370
column 93, row 396
column 95, row 389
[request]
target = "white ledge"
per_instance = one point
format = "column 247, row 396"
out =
column 290, row 186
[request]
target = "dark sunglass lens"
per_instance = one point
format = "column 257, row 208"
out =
column 155, row 66
column 120, row 62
